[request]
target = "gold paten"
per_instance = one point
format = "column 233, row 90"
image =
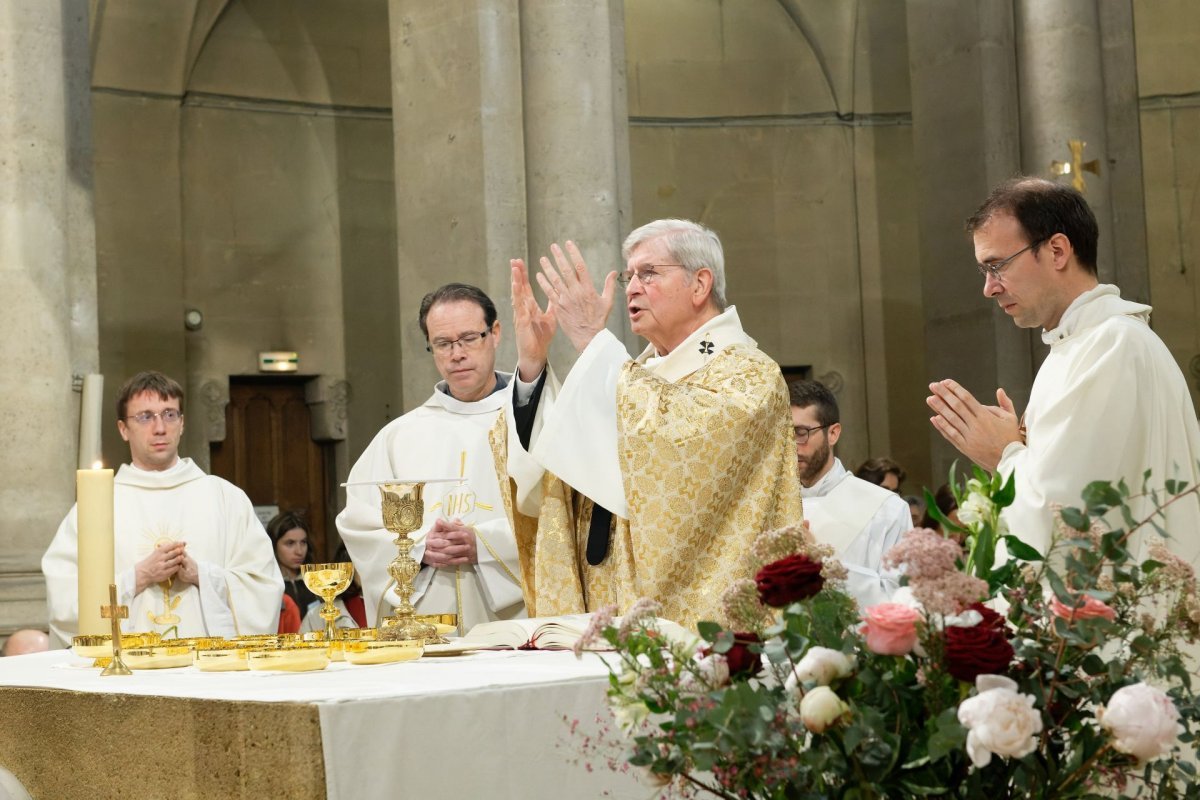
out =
column 159, row 656
column 387, row 652
column 403, row 511
column 299, row 657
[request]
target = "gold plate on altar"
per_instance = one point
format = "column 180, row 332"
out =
column 228, row 660
column 289, row 659
column 385, row 652
column 101, row 646
column 451, row 649
column 158, row 656
column 445, row 624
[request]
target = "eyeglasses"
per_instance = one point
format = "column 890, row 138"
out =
column 994, row 268
column 468, row 341
column 170, row 416
column 803, row 433
column 646, row 276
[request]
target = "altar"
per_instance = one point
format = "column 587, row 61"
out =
column 488, row 724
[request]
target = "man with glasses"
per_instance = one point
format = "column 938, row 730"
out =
column 190, row 556
column 466, row 547
column 1108, row 403
column 678, row 458
column 859, row 519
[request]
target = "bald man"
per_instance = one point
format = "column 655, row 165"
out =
column 25, row 641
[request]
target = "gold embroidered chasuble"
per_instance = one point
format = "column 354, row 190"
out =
column 707, row 462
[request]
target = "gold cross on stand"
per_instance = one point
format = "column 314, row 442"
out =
column 1076, row 166
column 116, row 613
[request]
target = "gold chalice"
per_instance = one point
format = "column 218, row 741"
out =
column 403, row 511
column 327, row 581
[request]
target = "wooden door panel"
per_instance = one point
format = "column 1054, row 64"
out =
column 269, row 452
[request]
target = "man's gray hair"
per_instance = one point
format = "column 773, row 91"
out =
column 690, row 244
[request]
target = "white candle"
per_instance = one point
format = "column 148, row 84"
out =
column 94, row 509
column 90, row 420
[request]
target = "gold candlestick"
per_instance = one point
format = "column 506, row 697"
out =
column 403, row 512
column 115, row 613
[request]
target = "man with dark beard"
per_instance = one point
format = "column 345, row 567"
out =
column 861, row 520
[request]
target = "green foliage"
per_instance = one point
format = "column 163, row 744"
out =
column 745, row 737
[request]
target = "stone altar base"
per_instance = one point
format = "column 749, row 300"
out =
column 63, row 745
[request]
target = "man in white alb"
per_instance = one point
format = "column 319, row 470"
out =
column 465, row 547
column 857, row 517
column 190, row 556
column 1108, row 403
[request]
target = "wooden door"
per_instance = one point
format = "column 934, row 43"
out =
column 269, row 453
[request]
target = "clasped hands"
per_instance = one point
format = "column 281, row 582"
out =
column 979, row 432
column 168, row 560
column 572, row 304
column 449, row 543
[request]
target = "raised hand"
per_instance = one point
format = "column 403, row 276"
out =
column 979, row 432
column 581, row 312
column 534, row 327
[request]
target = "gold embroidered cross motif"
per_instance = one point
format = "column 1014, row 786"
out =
column 1076, row 166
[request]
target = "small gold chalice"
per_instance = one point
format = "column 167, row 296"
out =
column 327, row 581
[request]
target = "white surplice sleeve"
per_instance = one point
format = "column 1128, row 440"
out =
column 1093, row 422
column 578, row 440
column 242, row 595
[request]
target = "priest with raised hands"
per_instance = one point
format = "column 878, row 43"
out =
column 664, row 467
column 190, row 555
column 465, row 546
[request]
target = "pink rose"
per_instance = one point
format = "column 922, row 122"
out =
column 891, row 629
column 1090, row 608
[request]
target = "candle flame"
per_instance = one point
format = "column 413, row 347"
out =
column 97, row 464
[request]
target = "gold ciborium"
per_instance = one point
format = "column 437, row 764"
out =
column 403, row 512
column 327, row 581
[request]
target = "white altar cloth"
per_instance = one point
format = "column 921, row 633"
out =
column 485, row 724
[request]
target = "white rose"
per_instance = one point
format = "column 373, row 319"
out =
column 1143, row 721
column 821, row 666
column 999, row 720
column 820, row 708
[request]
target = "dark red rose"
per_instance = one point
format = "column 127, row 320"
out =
column 980, row 650
column 741, row 660
column 788, row 580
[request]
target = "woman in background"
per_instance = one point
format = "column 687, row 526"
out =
column 289, row 534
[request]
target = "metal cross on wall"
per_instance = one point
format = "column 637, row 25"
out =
column 1076, row 166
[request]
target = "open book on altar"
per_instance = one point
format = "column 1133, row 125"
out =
column 554, row 633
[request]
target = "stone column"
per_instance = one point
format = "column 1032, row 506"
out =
column 460, row 161
column 48, row 271
column 1071, row 87
column 577, row 138
column 966, row 139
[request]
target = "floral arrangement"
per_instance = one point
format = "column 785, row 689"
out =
column 994, row 672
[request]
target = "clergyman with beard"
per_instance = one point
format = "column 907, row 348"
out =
column 861, row 520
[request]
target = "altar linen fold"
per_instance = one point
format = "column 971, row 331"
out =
column 693, row 454
column 240, row 587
